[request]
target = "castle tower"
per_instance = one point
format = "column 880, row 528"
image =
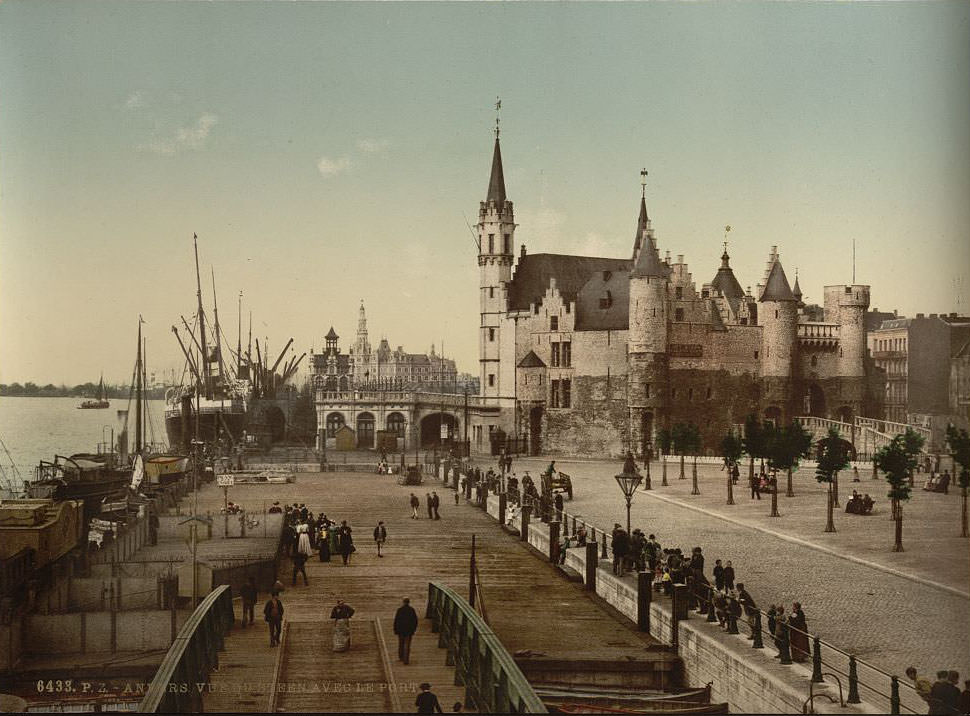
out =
column 647, row 346
column 847, row 306
column 496, row 231
column 778, row 316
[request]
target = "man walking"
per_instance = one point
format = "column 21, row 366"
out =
column 755, row 487
column 435, row 503
column 405, row 624
column 427, row 702
column 380, row 536
column 415, row 504
column 299, row 567
column 249, row 601
column 427, row 498
column 273, row 614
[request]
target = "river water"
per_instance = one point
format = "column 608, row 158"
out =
column 35, row 429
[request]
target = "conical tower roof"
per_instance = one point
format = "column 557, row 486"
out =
column 496, row 183
column 776, row 287
column 796, row 291
column 332, row 334
column 642, row 223
column 727, row 283
column 647, row 262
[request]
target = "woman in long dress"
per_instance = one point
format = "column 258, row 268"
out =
column 341, row 615
column 304, row 536
column 799, row 633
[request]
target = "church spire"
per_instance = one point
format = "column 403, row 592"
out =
column 643, row 221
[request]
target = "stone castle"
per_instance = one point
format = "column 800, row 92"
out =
column 584, row 355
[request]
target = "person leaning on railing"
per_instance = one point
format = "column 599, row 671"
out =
column 748, row 605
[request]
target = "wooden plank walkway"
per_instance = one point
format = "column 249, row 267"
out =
column 530, row 605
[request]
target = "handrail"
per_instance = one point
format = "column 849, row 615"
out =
column 191, row 657
column 493, row 680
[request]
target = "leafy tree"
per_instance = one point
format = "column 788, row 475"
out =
column 832, row 457
column 897, row 460
column 959, row 444
column 732, row 448
column 753, row 441
column 787, row 446
column 686, row 437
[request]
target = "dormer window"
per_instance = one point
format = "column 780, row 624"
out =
column 606, row 300
column 679, row 292
column 607, row 275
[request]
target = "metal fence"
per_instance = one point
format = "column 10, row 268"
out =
column 493, row 682
column 192, row 656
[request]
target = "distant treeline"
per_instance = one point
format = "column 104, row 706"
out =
column 84, row 390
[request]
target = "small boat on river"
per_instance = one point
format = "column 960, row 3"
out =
column 98, row 403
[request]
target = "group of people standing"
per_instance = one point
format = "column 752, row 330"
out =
column 944, row 695
column 304, row 534
column 432, row 501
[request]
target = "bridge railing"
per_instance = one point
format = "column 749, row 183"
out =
column 192, row 656
column 493, row 681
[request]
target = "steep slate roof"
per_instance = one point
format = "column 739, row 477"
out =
column 718, row 324
column 531, row 360
column 776, row 287
column 332, row 334
column 727, row 283
column 648, row 261
column 496, row 182
column 589, row 315
column 796, row 291
column 533, row 272
column 641, row 226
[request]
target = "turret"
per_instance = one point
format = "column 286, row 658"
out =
column 778, row 316
column 647, row 342
column 847, row 306
column 496, row 233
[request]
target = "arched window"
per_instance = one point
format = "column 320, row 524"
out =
column 395, row 424
column 334, row 422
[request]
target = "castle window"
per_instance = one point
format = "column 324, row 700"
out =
column 566, row 393
column 606, row 300
column 491, row 380
column 679, row 292
column 710, row 393
column 607, row 275
column 491, row 334
column 568, row 306
column 567, row 354
column 705, row 293
column 491, row 291
column 690, row 394
column 756, row 355
column 679, row 314
column 673, row 393
column 814, row 361
column 554, row 394
column 776, row 314
column 507, row 244
column 654, row 312
column 553, row 323
column 743, row 321
column 646, row 390
column 491, row 243
column 536, row 309
column 554, row 359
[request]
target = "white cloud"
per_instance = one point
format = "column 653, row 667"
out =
column 136, row 100
column 192, row 137
column 332, row 167
column 370, row 146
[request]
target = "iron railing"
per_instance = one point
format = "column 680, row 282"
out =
column 493, row 682
column 192, row 656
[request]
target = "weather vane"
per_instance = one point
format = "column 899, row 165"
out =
column 498, row 106
column 643, row 182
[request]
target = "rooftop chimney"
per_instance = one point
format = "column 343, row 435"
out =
column 523, row 251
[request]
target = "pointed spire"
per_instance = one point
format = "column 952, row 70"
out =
column 725, row 259
column 776, row 286
column 643, row 221
column 496, row 183
column 796, row 290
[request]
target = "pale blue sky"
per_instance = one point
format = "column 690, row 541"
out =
column 327, row 153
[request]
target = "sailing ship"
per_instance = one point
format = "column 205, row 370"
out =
column 98, row 403
column 222, row 404
column 88, row 477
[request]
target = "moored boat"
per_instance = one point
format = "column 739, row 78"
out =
column 99, row 403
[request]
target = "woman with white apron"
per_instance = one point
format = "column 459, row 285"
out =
column 341, row 615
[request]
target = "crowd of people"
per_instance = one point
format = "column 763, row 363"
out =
column 942, row 696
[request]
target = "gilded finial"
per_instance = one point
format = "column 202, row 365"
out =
column 643, row 182
column 498, row 106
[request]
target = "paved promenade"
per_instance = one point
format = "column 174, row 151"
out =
column 530, row 606
column 869, row 610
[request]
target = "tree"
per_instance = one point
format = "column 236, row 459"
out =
column 896, row 460
column 685, row 436
column 753, row 440
column 732, row 448
column 959, row 444
column 785, row 447
column 832, row 457
column 912, row 444
column 665, row 441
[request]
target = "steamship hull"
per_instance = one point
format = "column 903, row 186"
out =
column 217, row 420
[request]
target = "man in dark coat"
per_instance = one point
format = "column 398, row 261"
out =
column 299, row 567
column 621, row 547
column 430, row 504
column 345, row 541
column 718, row 575
column 435, row 504
column 747, row 603
column 755, row 487
column 405, row 624
column 380, row 536
column 249, row 595
column 729, row 576
column 427, row 702
column 273, row 614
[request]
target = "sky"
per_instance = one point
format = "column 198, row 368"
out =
column 329, row 153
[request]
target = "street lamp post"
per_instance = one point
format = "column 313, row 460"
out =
column 628, row 482
column 648, row 453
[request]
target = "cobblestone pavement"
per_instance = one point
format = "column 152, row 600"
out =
column 885, row 619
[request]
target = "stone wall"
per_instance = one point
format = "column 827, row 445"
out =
column 90, row 632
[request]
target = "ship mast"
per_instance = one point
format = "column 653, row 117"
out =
column 204, row 365
column 138, row 378
column 239, row 339
column 215, row 313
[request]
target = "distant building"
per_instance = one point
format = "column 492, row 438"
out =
column 922, row 358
